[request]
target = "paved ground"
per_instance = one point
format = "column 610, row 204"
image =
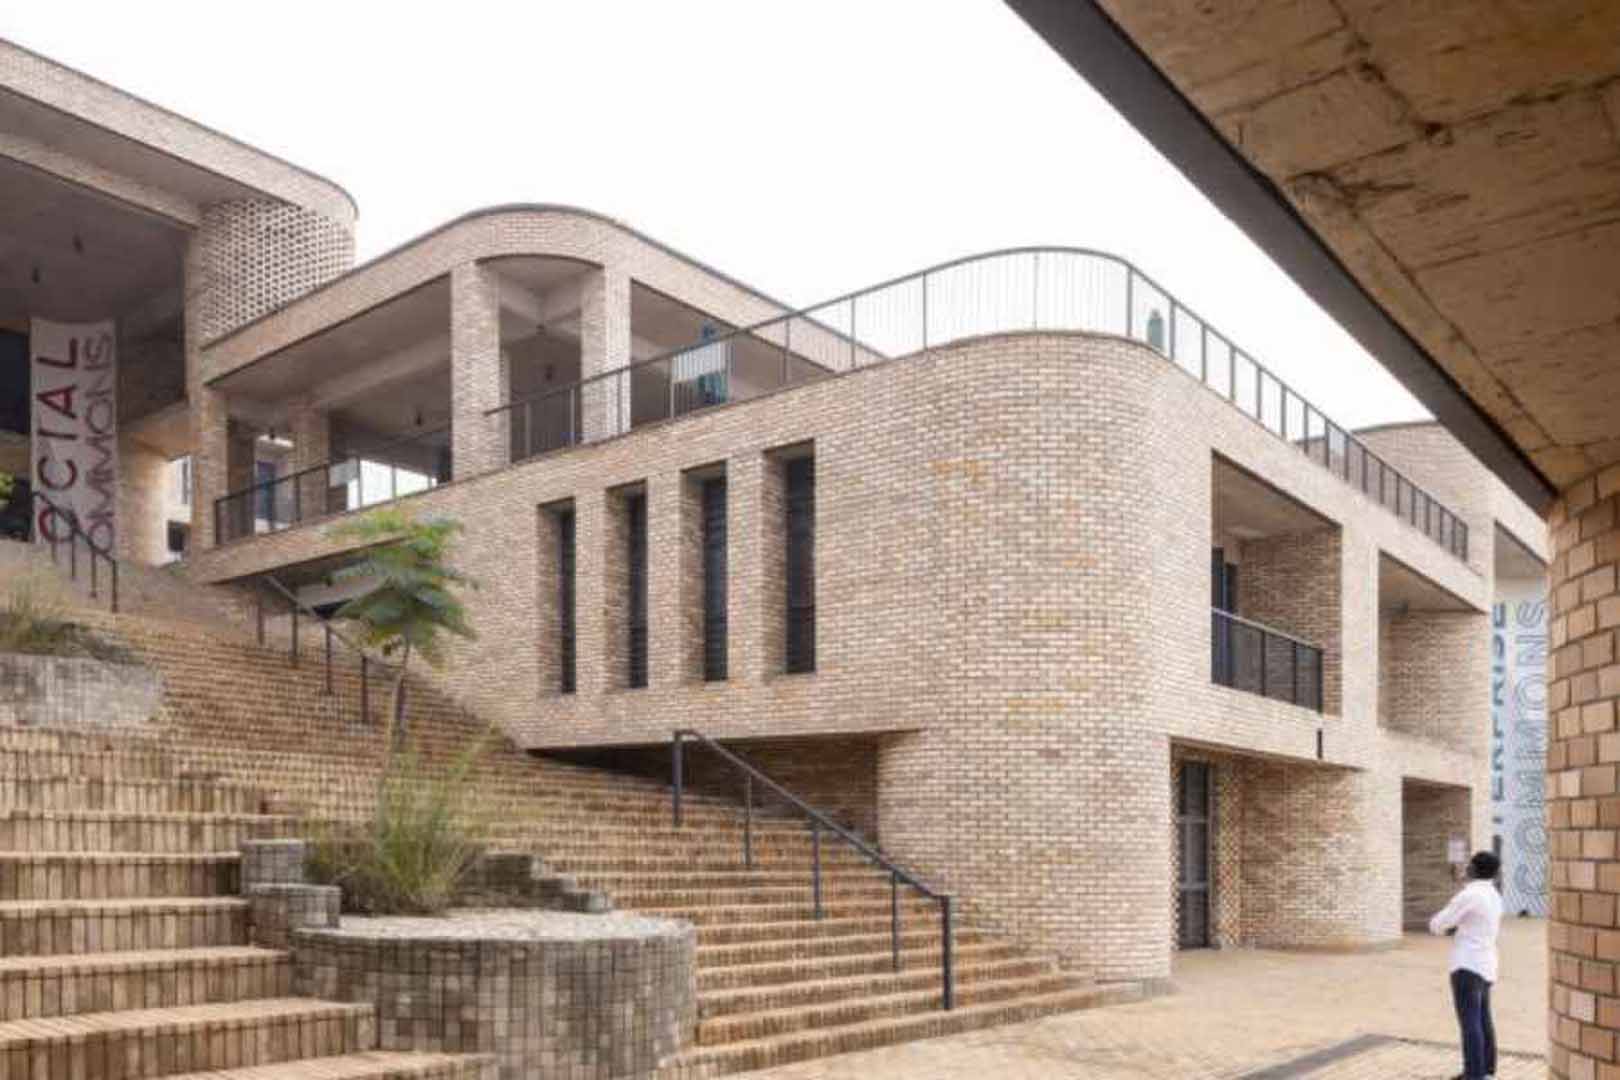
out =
column 1247, row 1014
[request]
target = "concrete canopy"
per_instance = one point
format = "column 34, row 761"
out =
column 1444, row 178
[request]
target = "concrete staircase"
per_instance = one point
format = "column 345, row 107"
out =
column 123, row 943
column 244, row 731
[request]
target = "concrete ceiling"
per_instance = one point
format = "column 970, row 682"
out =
column 1402, row 589
column 1248, row 508
column 1456, row 161
column 122, row 256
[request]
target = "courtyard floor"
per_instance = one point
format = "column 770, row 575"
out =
column 1251, row 1015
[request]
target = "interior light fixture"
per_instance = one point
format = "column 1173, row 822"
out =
column 418, row 417
column 78, row 244
column 35, row 275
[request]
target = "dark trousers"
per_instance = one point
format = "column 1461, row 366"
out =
column 1472, row 996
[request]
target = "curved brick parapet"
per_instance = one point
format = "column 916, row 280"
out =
column 547, row 993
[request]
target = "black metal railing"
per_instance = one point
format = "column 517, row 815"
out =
column 59, row 527
column 283, row 618
column 416, row 463
column 820, row 823
column 1246, row 655
column 1019, row 289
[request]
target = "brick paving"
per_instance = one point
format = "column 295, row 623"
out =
column 1249, row 1014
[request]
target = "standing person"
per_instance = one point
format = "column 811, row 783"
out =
column 1475, row 914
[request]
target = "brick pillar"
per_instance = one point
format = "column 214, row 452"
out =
column 604, row 346
column 312, row 446
column 666, row 618
column 1583, row 808
column 477, row 373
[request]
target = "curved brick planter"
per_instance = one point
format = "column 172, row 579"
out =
column 550, row 994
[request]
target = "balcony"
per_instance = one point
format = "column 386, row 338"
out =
column 1056, row 289
column 349, row 482
column 1258, row 659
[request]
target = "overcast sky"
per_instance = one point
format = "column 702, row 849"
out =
column 808, row 149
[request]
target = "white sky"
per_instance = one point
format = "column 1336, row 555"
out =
column 807, row 149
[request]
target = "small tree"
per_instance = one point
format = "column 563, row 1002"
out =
column 410, row 600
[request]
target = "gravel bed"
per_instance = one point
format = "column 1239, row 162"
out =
column 502, row 924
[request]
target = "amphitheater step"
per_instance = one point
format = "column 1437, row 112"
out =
column 806, row 948
column 863, row 1007
column 728, row 981
column 163, row 1042
column 132, row 796
column 112, row 830
column 372, row 1065
column 61, row 927
column 765, row 1052
column 32, row 987
column 89, row 875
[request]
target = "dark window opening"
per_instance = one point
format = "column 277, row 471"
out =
column 1193, row 841
column 714, row 579
column 15, row 373
column 565, row 601
column 636, row 581
column 800, row 482
column 179, row 537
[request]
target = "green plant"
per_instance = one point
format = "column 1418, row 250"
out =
column 8, row 483
column 416, row 850
column 410, row 601
column 33, row 618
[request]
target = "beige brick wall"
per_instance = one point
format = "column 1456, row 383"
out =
column 983, row 596
column 1431, row 816
column 1583, row 795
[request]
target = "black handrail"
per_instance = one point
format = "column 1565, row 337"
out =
column 297, row 606
column 1302, row 677
column 818, row 822
column 76, row 532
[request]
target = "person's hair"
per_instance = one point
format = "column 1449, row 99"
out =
column 1484, row 866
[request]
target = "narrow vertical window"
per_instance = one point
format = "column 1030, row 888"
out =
column 800, row 490
column 565, row 600
column 636, row 583
column 714, row 579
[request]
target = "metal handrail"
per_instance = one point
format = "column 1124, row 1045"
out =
column 819, row 821
column 76, row 532
column 1437, row 522
column 1225, row 661
column 298, row 606
column 295, row 479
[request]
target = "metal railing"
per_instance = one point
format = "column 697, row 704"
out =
column 1047, row 288
column 375, row 675
column 336, row 486
column 1246, row 655
column 820, row 823
column 59, row 527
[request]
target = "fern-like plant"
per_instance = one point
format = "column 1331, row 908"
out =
column 411, row 599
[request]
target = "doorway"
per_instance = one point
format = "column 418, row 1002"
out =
column 1193, row 795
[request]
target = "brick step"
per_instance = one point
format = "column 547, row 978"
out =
column 121, row 763
column 60, row 927
column 836, row 890
column 596, row 834
column 130, row 796
column 718, row 882
column 786, row 859
column 804, row 927
column 625, row 808
column 703, row 915
column 78, row 740
column 111, row 830
column 164, row 1042
column 740, row 1027
column 807, row 946
column 102, row 875
column 770, row 1051
column 370, row 1065
column 771, row 975
column 39, row 986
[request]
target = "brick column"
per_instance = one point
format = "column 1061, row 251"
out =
column 604, row 346
column 311, row 431
column 477, row 376
column 666, row 617
column 1583, row 808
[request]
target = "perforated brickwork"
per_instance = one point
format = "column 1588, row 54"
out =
column 254, row 255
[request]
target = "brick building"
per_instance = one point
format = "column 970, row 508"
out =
column 1016, row 564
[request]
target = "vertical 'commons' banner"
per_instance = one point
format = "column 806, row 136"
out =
column 1519, row 741
column 74, row 373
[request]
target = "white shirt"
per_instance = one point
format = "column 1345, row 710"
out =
column 1476, row 913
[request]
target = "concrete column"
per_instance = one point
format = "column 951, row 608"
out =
column 1583, row 799
column 477, row 373
column 604, row 346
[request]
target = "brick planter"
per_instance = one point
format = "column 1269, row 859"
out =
column 558, row 995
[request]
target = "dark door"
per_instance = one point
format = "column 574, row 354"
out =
column 1193, row 856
